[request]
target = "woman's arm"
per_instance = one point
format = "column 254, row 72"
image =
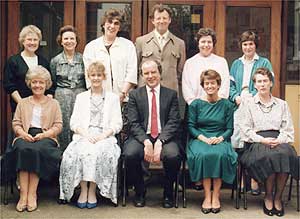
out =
column 286, row 131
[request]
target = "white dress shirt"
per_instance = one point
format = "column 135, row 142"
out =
column 162, row 39
column 150, row 94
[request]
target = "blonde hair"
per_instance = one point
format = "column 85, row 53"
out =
column 98, row 67
column 27, row 30
column 38, row 72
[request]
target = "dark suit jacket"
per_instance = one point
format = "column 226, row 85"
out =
column 138, row 113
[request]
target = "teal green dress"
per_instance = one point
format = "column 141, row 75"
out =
column 211, row 161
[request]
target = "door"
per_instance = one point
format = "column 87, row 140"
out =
column 262, row 17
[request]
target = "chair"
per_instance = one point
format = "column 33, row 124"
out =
column 151, row 168
column 297, row 186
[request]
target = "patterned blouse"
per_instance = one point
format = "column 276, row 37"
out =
column 97, row 105
column 68, row 75
column 261, row 117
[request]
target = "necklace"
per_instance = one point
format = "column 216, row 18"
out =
column 265, row 109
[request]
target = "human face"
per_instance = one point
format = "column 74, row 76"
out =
column 151, row 74
column 263, row 84
column 31, row 43
column 96, row 79
column 249, row 49
column 211, row 86
column 205, row 45
column 38, row 86
column 161, row 21
column 68, row 41
column 111, row 28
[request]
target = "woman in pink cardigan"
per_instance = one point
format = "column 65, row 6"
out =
column 37, row 122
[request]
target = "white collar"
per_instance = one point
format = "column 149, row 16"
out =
column 156, row 89
column 255, row 57
column 159, row 36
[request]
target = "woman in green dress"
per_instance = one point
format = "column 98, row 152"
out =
column 210, row 156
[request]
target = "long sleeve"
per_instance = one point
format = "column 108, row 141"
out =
column 229, row 122
column 57, row 122
column 131, row 67
column 233, row 92
column 187, row 88
column 181, row 61
column 135, row 120
column 9, row 80
column 115, row 114
column 76, row 115
column 193, row 111
column 170, row 129
column 225, row 85
column 286, row 131
column 248, row 133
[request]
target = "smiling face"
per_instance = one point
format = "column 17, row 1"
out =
column 38, row 86
column 211, row 86
column 111, row 28
column 31, row 43
column 161, row 21
column 263, row 84
column 249, row 49
column 68, row 41
column 96, row 78
column 205, row 45
column 151, row 74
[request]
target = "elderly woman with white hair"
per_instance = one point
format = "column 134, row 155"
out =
column 37, row 122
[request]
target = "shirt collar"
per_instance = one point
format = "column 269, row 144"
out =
column 76, row 58
column 158, row 35
column 255, row 58
column 156, row 89
column 257, row 100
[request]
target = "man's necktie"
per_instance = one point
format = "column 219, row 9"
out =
column 154, row 126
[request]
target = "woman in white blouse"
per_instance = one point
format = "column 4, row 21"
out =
column 267, row 127
column 204, row 60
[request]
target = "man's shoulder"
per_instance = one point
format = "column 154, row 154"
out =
column 145, row 37
column 175, row 38
column 167, row 90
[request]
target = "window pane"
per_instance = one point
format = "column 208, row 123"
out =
column 94, row 13
column 240, row 19
column 293, row 43
column 186, row 21
column 49, row 17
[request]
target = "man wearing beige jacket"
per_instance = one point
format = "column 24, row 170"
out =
column 161, row 45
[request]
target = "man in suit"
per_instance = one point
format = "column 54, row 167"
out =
column 161, row 45
column 154, row 122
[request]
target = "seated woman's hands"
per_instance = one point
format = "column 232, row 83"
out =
column 27, row 137
column 95, row 139
column 211, row 140
column 272, row 142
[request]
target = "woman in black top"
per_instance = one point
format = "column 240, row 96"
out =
column 17, row 66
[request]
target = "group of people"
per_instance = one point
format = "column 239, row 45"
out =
column 67, row 114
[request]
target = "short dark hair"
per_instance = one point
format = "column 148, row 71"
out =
column 248, row 36
column 156, row 62
column 160, row 8
column 66, row 28
column 205, row 31
column 210, row 75
column 110, row 15
column 263, row 71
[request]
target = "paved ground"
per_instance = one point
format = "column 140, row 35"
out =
column 49, row 209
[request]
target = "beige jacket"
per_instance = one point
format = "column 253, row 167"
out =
column 172, row 57
column 51, row 118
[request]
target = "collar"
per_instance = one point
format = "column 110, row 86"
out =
column 255, row 58
column 158, row 35
column 152, row 35
column 156, row 89
column 63, row 60
column 257, row 100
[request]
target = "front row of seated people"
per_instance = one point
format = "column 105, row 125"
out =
column 91, row 159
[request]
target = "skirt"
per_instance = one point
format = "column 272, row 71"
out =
column 41, row 157
column 261, row 161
